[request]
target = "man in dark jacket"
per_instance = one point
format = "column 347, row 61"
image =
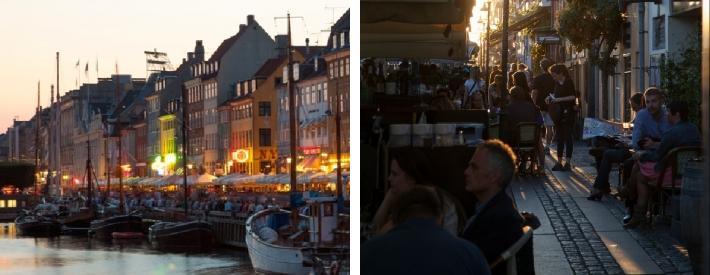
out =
column 496, row 224
column 418, row 244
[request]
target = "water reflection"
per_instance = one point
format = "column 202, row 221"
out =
column 81, row 255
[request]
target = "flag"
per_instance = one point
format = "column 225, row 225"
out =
column 77, row 64
column 86, row 70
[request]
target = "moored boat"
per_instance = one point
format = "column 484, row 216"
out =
column 279, row 245
column 37, row 225
column 103, row 228
column 182, row 235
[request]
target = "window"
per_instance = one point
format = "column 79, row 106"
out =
column 627, row 35
column 330, row 70
column 2, row 203
column 264, row 108
column 659, row 32
column 264, row 137
column 347, row 66
column 341, row 71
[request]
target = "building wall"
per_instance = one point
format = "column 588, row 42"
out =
column 210, row 121
column 244, row 58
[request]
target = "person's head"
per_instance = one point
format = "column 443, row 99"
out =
column 520, row 80
column 654, row 100
column 636, row 102
column 519, row 94
column 522, row 67
column 418, row 202
column 409, row 168
column 490, row 169
column 545, row 64
column 559, row 72
column 677, row 112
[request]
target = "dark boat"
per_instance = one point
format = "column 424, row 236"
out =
column 103, row 228
column 77, row 222
column 182, row 235
column 37, row 225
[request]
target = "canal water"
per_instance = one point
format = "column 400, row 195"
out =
column 81, row 255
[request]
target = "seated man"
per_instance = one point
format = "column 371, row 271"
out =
column 648, row 167
column 418, row 244
column 496, row 224
column 521, row 109
column 613, row 153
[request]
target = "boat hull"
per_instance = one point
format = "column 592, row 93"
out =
column 188, row 235
column 39, row 228
column 271, row 258
column 103, row 229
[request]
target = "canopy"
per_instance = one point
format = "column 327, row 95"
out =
column 415, row 28
column 200, row 179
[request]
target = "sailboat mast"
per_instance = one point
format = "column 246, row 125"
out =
column 292, row 113
column 88, row 173
column 185, row 146
column 37, row 122
column 49, row 140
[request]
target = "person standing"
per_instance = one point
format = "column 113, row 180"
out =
column 564, row 103
column 542, row 86
column 473, row 86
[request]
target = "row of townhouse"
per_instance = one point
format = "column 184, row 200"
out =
column 233, row 110
column 652, row 31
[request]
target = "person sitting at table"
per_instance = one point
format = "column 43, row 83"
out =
column 417, row 244
column 521, row 109
column 648, row 167
column 408, row 169
column 441, row 101
column 649, row 126
column 605, row 156
column 496, row 224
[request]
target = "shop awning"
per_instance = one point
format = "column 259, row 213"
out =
column 541, row 14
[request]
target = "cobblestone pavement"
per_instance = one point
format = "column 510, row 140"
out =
column 583, row 247
column 586, row 253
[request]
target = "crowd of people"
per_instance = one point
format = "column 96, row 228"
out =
column 199, row 200
column 548, row 99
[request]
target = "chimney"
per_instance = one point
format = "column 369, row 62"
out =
column 199, row 50
column 250, row 19
column 190, row 56
column 281, row 42
column 242, row 27
column 308, row 49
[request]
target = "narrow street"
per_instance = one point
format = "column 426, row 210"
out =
column 578, row 236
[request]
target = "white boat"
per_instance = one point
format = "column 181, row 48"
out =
column 276, row 247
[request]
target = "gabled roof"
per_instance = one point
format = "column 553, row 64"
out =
column 343, row 24
column 269, row 67
column 227, row 43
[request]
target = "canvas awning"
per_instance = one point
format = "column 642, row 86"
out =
column 425, row 29
column 415, row 11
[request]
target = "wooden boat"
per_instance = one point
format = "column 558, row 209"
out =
column 127, row 235
column 182, row 235
column 37, row 225
column 75, row 223
column 103, row 228
column 275, row 245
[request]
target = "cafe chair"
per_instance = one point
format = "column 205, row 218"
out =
column 525, row 146
column 676, row 159
column 509, row 255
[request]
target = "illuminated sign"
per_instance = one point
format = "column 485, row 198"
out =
column 241, row 155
